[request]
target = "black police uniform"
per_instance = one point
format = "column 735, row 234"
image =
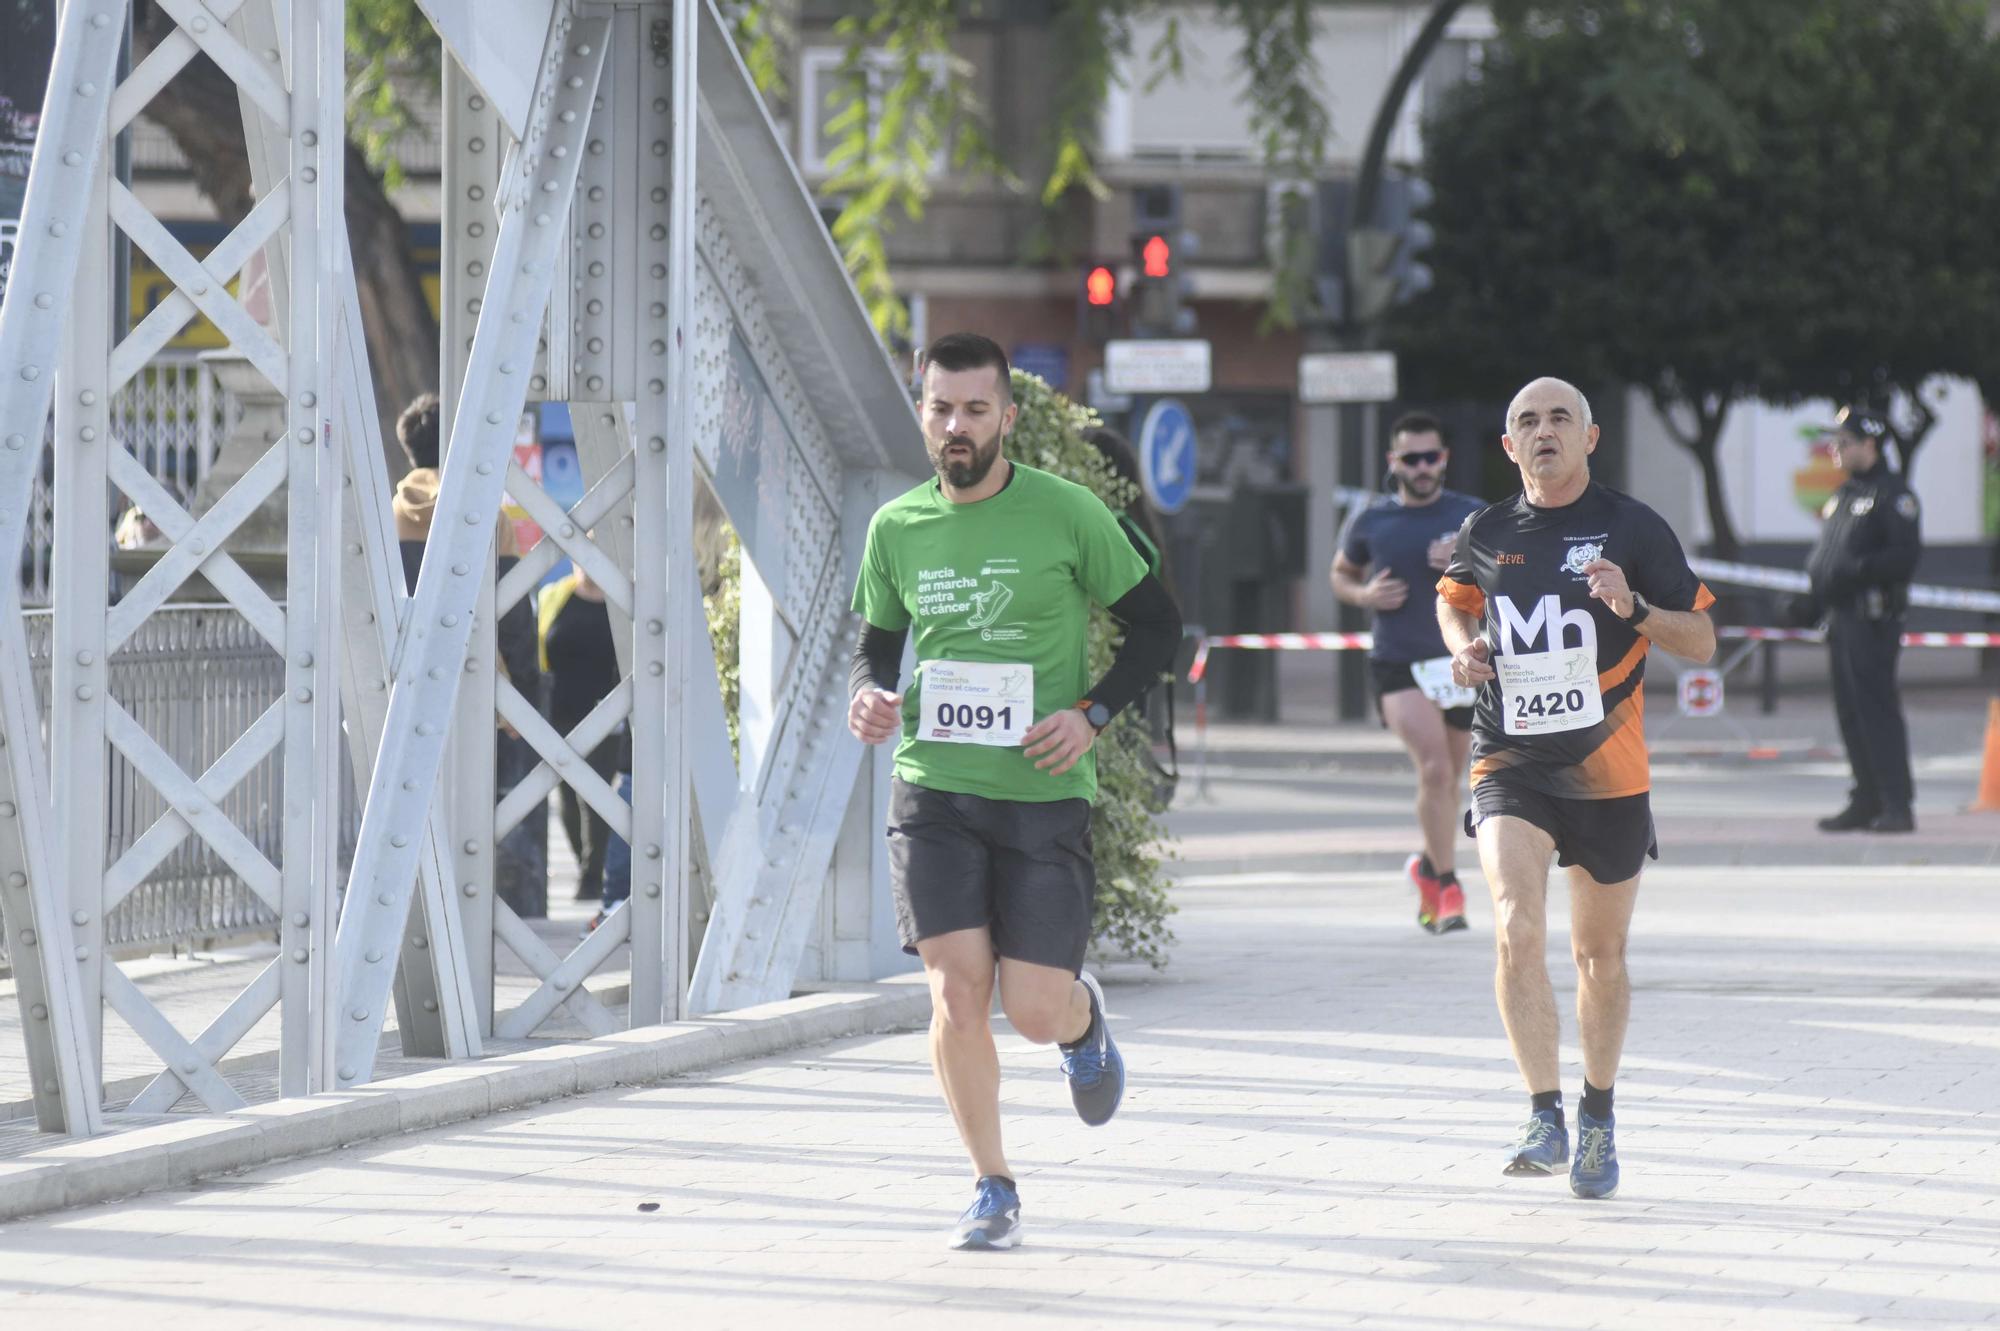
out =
column 1860, row 573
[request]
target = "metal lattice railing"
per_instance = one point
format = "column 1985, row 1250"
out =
column 195, row 676
column 171, row 417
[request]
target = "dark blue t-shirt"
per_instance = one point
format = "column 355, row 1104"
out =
column 1389, row 534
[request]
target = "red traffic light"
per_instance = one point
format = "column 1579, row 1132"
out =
column 1158, row 256
column 1101, row 287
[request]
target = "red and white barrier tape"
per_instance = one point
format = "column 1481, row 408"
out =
column 1349, row 642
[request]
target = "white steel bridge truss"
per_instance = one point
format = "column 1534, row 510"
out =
column 623, row 232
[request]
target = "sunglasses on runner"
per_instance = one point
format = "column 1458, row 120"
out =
column 1429, row 457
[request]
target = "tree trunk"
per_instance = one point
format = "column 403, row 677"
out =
column 1709, row 416
column 199, row 108
column 1909, row 441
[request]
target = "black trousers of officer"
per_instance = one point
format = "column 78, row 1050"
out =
column 1870, row 708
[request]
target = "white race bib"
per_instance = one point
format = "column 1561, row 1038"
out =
column 1545, row 693
column 1433, row 677
column 976, row 702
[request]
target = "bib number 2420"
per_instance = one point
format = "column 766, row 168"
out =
column 1546, row 693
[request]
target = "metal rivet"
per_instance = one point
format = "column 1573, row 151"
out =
column 188, row 1066
column 299, row 955
column 83, row 954
column 567, row 117
column 409, row 785
column 359, row 1014
column 198, row 546
column 85, row 692
column 305, row 660
column 38, row 1012
column 430, row 1005
column 28, row 937
column 655, row 626
column 308, row 174
column 31, row 373
column 310, row 138
column 471, row 847
column 384, row 899
column 420, row 942
column 86, row 89
column 562, row 985
column 484, row 469
column 6, row 808
column 449, row 621
column 301, row 919
column 459, row 570
column 84, row 658
column 566, row 531
column 305, row 436
column 655, row 668
column 347, row 1074
column 374, row 955
column 596, row 383
column 308, row 399
column 472, row 519
column 58, row 228
column 426, row 728
column 471, row 889
column 80, row 918
column 652, row 851
column 558, row 152
column 302, row 694
column 17, row 879
column 44, row 301
column 656, row 386
column 493, row 418
column 72, row 158
column 16, row 442
column 573, row 81
column 437, row 672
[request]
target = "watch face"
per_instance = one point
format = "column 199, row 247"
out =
column 1098, row 715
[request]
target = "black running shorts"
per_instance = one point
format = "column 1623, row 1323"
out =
column 1611, row 840
column 1024, row 870
column 1394, row 677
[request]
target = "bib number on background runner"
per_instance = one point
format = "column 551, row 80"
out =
column 1546, row 693
column 977, row 702
column 1433, row 679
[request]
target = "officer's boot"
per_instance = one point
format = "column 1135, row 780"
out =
column 1853, row 818
column 1897, row 819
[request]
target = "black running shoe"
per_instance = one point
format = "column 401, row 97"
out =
column 1850, row 819
column 993, row 1220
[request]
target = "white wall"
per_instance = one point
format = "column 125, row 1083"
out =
column 1770, row 474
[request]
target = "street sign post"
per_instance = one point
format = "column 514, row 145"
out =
column 1162, row 365
column 1327, row 377
column 1166, row 454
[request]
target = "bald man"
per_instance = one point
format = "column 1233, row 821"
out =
column 1548, row 606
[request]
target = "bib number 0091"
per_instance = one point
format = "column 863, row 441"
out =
column 971, row 716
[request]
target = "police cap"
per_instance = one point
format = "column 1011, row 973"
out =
column 1861, row 422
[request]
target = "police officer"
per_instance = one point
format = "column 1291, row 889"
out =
column 1860, row 574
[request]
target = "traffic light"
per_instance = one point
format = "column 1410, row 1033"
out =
column 1159, row 294
column 1097, row 310
column 1385, row 264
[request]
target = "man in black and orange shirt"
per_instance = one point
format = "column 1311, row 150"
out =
column 1548, row 607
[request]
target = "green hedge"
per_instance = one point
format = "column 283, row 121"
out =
column 1126, row 831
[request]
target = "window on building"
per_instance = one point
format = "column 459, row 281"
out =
column 821, row 98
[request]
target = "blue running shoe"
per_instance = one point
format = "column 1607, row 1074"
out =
column 1544, row 1145
column 1095, row 1068
column 993, row 1221
column 1595, row 1173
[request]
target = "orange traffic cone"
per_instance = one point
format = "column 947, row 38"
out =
column 1989, row 767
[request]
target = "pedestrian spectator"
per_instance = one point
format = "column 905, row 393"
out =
column 581, row 661
column 522, row 872
column 1860, row 571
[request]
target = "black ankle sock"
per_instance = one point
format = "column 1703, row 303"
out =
column 1596, row 1101
column 1425, row 867
column 1090, row 1031
column 1448, row 878
column 1541, row 1100
column 1003, row 1178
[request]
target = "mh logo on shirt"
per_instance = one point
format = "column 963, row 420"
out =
column 1518, row 636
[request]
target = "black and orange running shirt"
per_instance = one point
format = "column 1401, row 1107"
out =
column 1567, row 715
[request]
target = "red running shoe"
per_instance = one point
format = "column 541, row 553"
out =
column 1428, row 889
column 1450, row 909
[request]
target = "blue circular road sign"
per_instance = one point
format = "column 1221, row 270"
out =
column 1166, row 454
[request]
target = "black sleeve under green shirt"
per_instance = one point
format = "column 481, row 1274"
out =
column 1002, row 587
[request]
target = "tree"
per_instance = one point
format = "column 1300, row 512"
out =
column 199, row 109
column 1660, row 193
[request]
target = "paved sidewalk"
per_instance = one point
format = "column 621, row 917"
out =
column 1319, row 1103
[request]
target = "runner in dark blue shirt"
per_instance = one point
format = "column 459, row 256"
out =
column 1398, row 542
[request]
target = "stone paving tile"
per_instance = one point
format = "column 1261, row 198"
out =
column 1319, row 1101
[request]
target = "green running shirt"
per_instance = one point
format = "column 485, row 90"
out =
column 1008, row 580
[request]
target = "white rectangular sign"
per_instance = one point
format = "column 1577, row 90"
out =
column 1347, row 376
column 1167, row 365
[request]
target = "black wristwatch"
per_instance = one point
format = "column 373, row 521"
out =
column 1096, row 713
column 1639, row 611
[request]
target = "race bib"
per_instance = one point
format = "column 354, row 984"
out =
column 977, row 702
column 1433, row 678
column 1545, row 693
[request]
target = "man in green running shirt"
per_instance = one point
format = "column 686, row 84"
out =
column 996, row 567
